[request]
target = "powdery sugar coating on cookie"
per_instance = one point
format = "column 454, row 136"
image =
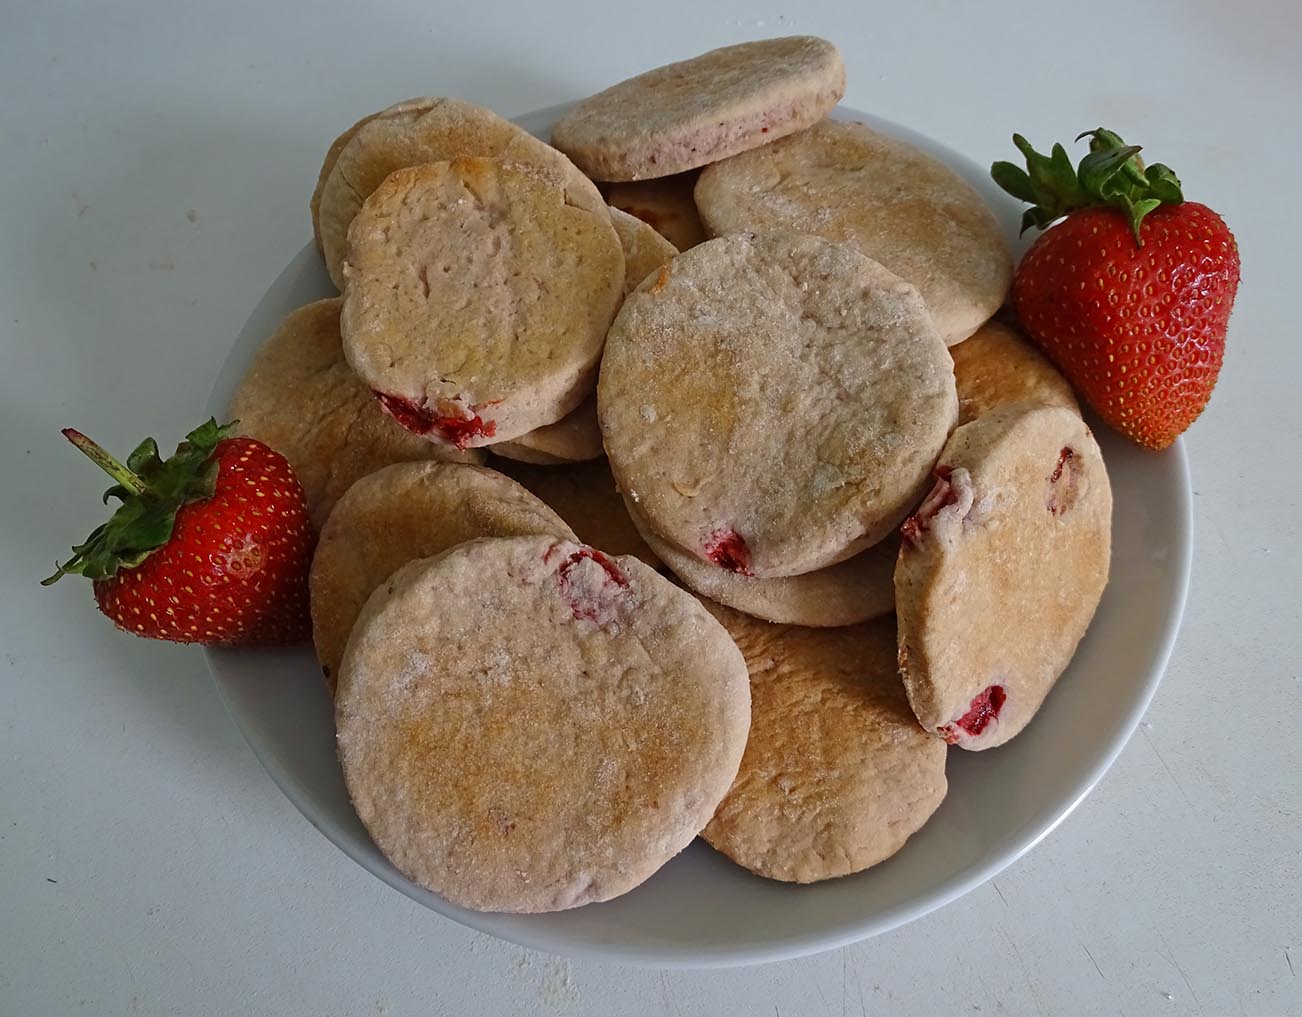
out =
column 403, row 512
column 528, row 725
column 774, row 403
column 855, row 590
column 1000, row 571
column 696, row 111
column 837, row 773
column 301, row 398
column 896, row 204
column 478, row 298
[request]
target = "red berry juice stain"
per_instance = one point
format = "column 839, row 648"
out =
column 728, row 550
column 420, row 419
column 984, row 708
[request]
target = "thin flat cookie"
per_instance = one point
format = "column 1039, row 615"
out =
column 995, row 367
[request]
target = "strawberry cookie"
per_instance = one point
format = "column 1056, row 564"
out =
column 529, row 725
column 690, row 113
column 1001, row 570
column 855, row 590
column 995, row 366
column 891, row 201
column 420, row 131
column 301, row 398
column 774, row 403
column 403, row 512
column 837, row 773
column 478, row 297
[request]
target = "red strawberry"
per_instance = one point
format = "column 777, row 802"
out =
column 1131, row 293
column 210, row 546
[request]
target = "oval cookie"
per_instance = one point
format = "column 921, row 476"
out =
column 528, row 725
column 891, row 201
column 837, row 773
column 697, row 111
column 420, row 131
column 774, row 402
column 1000, row 571
column 478, row 299
column 301, row 398
column 404, row 512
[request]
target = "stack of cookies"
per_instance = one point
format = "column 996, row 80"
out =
column 777, row 509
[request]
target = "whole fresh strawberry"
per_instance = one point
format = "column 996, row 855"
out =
column 1131, row 293
column 211, row 546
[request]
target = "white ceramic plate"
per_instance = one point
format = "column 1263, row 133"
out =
column 701, row 910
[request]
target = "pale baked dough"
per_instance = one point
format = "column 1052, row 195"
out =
column 851, row 184
column 665, row 204
column 697, row 111
column 774, row 403
column 1001, row 570
column 478, row 298
column 837, row 773
column 996, row 366
column 404, row 512
column 527, row 725
column 301, row 398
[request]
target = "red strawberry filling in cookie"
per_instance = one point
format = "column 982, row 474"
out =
column 952, row 488
column 594, row 586
column 728, row 550
column 982, row 712
column 1063, row 482
column 448, row 421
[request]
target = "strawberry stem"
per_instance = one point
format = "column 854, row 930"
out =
column 96, row 454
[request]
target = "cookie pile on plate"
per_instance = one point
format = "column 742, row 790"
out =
column 777, row 510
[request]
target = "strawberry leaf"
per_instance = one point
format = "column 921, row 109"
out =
column 1112, row 174
column 151, row 491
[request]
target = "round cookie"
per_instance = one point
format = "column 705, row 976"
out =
column 837, row 773
column 665, row 204
column 774, row 403
column 398, row 514
column 577, row 437
column 1001, row 570
column 995, row 367
column 478, row 298
column 891, row 201
column 527, row 725
column 694, row 112
column 855, row 590
column 301, row 398
column 337, row 146
column 585, row 496
column 420, row 131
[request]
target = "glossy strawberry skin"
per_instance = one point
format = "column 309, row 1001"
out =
column 1138, row 330
column 235, row 569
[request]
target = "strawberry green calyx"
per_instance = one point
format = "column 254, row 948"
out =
column 1112, row 175
column 151, row 491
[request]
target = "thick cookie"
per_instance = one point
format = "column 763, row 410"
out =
column 665, row 204
column 698, row 111
column 1000, row 571
column 995, row 367
column 774, row 403
column 528, row 725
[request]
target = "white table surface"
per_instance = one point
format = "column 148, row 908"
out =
column 155, row 166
